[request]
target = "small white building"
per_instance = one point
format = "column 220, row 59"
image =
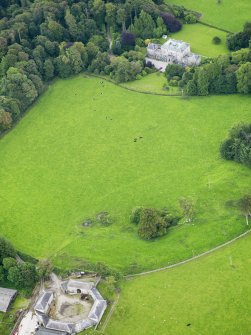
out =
column 171, row 52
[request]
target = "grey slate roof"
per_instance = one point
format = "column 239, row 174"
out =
column 61, row 326
column 76, row 284
column 84, row 324
column 97, row 310
column 95, row 294
column 44, row 331
column 43, row 302
column 6, row 296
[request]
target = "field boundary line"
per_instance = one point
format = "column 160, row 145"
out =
column 108, row 318
column 133, row 89
column 215, row 27
column 144, row 273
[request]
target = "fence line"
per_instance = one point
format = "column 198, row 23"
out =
column 189, row 259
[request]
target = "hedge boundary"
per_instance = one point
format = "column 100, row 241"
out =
column 132, row 89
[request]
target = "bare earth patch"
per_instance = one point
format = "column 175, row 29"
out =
column 70, row 308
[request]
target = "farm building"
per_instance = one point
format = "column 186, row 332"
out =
column 44, row 302
column 171, row 52
column 6, row 297
column 44, row 331
column 65, row 324
column 76, row 286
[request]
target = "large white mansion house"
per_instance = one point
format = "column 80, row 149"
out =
column 171, row 52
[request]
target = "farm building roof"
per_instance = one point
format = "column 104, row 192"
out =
column 84, row 324
column 97, row 310
column 95, row 294
column 44, row 331
column 60, row 326
column 76, row 284
column 6, row 296
column 44, row 302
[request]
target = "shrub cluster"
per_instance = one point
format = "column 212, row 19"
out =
column 238, row 146
column 22, row 275
column 241, row 39
column 152, row 222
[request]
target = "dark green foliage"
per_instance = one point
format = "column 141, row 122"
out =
column 104, row 219
column 45, row 268
column 99, row 63
column 23, row 275
column 143, row 25
column 127, row 40
column 244, row 205
column 135, row 216
column 151, row 222
column 9, row 262
column 171, row 22
column 243, row 75
column 216, row 40
column 222, row 75
column 191, row 88
column 241, row 39
column 190, row 18
column 1, row 274
column 173, row 70
column 238, row 146
column 122, row 70
column 6, row 249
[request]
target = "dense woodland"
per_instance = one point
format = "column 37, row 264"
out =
column 41, row 40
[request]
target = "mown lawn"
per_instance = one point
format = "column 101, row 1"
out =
column 153, row 83
column 208, row 296
column 200, row 38
column 73, row 156
column 228, row 14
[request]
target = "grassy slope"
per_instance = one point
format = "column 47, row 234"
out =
column 153, row 83
column 229, row 15
column 73, row 156
column 200, row 38
column 212, row 294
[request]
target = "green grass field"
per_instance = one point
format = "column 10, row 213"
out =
column 200, row 38
column 152, row 83
column 208, row 296
column 73, row 155
column 229, row 14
